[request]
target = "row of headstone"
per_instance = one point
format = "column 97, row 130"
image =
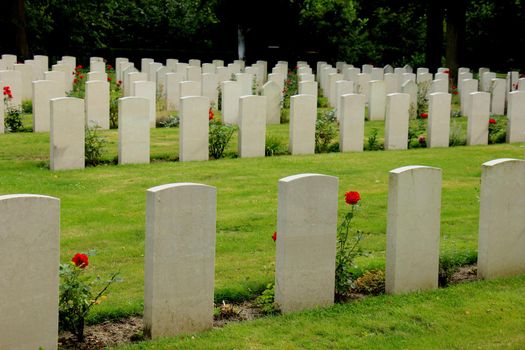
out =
column 180, row 248
column 67, row 120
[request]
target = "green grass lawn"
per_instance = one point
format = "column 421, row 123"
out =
column 103, row 208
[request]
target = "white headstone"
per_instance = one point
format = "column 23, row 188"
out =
column 179, row 258
column 306, row 242
column 173, row 90
column 67, row 133
column 396, row 124
column 352, row 123
column 210, row 86
column 516, row 117
column 478, row 118
column 58, row 77
column 245, row 81
column 43, row 91
column 30, row 237
column 252, row 126
column 439, row 119
column 272, row 93
column 501, row 219
column 497, row 103
column 133, row 130
column 13, row 79
column 468, row 86
column 144, row 64
column 193, row 73
column 413, row 229
column 303, row 114
column 194, row 126
column 147, row 89
column 342, row 87
column 377, row 100
column 231, row 91
column 101, row 76
column 97, row 104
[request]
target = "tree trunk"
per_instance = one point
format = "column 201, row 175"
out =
column 434, row 49
column 19, row 22
column 455, row 24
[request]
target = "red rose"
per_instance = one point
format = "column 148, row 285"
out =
column 454, row 92
column 274, row 236
column 422, row 139
column 119, row 82
column 424, row 115
column 352, row 197
column 75, row 81
column 81, row 77
column 109, row 67
column 446, row 71
column 492, row 121
column 80, row 260
column 210, row 114
column 109, row 78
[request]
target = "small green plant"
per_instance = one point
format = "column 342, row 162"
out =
column 94, row 145
column 325, row 131
column 449, row 264
column 373, row 142
column 27, row 106
column 416, row 134
column 114, row 94
column 457, row 138
column 266, row 301
column 290, row 88
column 422, row 97
column 79, row 83
column 170, row 122
column 274, row 146
column 76, row 295
column 219, row 136
column 347, row 249
column 13, row 114
column 497, row 131
column 371, row 282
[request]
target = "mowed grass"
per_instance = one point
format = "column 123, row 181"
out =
column 103, row 208
column 480, row 315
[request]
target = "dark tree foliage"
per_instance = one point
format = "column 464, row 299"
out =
column 429, row 32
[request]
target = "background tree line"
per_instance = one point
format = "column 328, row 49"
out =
column 423, row 33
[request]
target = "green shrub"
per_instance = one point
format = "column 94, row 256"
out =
column 372, row 143
column 274, row 146
column 94, row 145
column 266, row 301
column 27, row 106
column 325, row 131
column 457, row 138
column 13, row 119
column 219, row 137
column 371, row 282
column 170, row 122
